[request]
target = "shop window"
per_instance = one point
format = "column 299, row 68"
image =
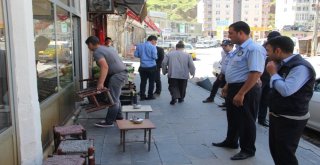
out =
column 5, row 113
column 45, row 48
column 64, row 47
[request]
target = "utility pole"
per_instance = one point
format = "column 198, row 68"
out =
column 315, row 30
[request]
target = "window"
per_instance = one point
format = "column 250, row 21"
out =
column 227, row 6
column 64, row 44
column 5, row 111
column 217, row 12
column 53, row 48
column 45, row 48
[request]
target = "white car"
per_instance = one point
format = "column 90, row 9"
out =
column 200, row 44
column 314, row 108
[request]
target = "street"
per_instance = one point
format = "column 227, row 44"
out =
column 205, row 59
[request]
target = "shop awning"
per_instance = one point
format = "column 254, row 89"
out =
column 147, row 20
column 136, row 6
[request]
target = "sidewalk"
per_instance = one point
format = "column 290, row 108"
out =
column 183, row 136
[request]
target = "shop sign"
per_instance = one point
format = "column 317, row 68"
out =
column 64, row 27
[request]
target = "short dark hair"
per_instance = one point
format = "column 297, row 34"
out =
column 180, row 45
column 107, row 38
column 152, row 38
column 241, row 26
column 283, row 42
column 92, row 40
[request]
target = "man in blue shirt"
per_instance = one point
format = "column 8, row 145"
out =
column 147, row 52
column 292, row 82
column 242, row 91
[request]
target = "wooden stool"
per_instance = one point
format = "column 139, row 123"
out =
column 144, row 109
column 81, row 147
column 74, row 131
column 126, row 125
column 96, row 104
column 65, row 160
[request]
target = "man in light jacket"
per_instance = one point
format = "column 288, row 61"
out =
column 178, row 64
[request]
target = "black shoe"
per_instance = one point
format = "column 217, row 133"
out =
column 173, row 101
column 222, row 105
column 180, row 100
column 208, row 100
column 226, row 145
column 223, row 109
column 142, row 98
column 241, row 156
column 119, row 118
column 264, row 123
column 157, row 93
column 150, row 98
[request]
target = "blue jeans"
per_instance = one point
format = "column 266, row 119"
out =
column 115, row 84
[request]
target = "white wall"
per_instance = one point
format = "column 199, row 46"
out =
column 26, row 104
column 84, row 36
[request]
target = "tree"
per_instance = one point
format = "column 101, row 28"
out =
column 181, row 10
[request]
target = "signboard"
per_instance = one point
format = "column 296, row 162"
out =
column 158, row 14
column 64, row 27
column 182, row 28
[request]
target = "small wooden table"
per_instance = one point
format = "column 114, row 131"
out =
column 144, row 109
column 126, row 125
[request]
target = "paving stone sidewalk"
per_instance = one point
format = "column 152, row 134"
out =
column 183, row 136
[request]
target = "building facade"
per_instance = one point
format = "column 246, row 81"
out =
column 218, row 15
column 295, row 12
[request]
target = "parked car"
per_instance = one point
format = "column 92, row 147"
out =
column 200, row 44
column 189, row 49
column 314, row 107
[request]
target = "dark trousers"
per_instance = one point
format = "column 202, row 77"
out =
column 216, row 85
column 284, row 136
column 3, row 90
column 264, row 102
column 241, row 120
column 177, row 88
column 145, row 75
column 158, row 81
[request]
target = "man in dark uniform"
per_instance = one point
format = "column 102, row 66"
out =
column 227, row 47
column 242, row 91
column 292, row 83
column 265, row 88
column 157, row 79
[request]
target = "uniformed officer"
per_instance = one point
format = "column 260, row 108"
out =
column 242, row 91
column 292, row 88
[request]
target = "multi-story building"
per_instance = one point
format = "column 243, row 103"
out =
column 295, row 12
column 218, row 14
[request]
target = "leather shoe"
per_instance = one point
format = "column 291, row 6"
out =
column 225, row 145
column 208, row 100
column 180, row 100
column 150, row 98
column 264, row 123
column 241, row 156
column 173, row 101
column 222, row 105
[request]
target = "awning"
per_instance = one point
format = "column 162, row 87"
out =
column 147, row 20
column 136, row 6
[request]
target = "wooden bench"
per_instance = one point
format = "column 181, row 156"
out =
column 144, row 109
column 65, row 160
column 126, row 125
column 84, row 148
column 60, row 133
